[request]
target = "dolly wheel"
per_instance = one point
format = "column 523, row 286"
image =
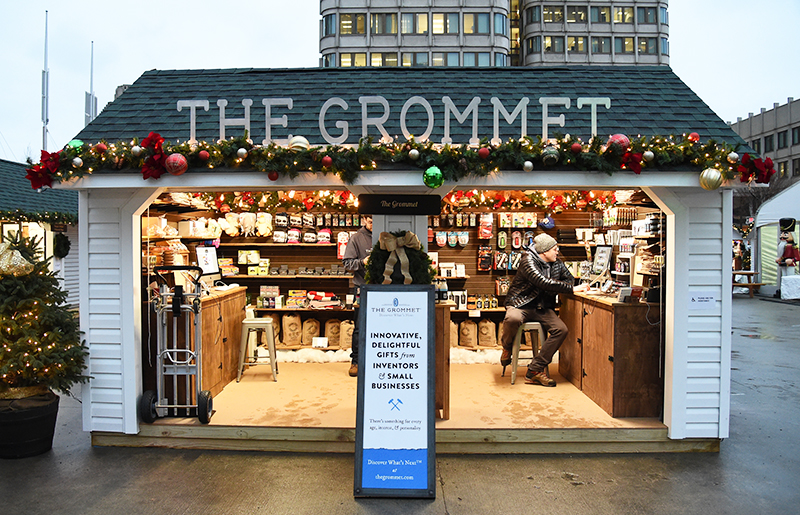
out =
column 147, row 407
column 205, row 404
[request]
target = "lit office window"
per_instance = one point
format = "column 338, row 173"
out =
column 445, row 23
column 353, row 60
column 329, row 25
column 553, row 13
column 623, row 15
column 352, row 24
column 414, row 23
column 444, row 59
column 383, row 23
column 783, row 168
column 554, row 44
column 647, row 14
column 576, row 44
column 384, row 59
column 623, row 45
column 600, row 14
column 647, row 46
column 476, row 23
column 533, row 14
column 500, row 24
column 576, row 14
column 601, row 45
column 533, row 45
column 415, row 59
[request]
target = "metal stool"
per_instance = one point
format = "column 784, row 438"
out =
column 527, row 326
column 258, row 325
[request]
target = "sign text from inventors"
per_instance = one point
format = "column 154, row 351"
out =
column 376, row 112
column 395, row 417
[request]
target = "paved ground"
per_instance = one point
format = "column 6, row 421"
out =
column 757, row 470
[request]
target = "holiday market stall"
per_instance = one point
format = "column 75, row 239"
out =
column 513, row 152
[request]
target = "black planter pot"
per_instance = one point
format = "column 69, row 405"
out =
column 27, row 425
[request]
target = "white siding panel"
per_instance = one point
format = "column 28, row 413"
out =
column 105, row 351
column 705, row 277
column 107, row 395
column 702, row 430
column 104, row 246
column 104, row 230
column 704, row 323
column 113, row 425
column 104, row 291
column 704, row 246
column 103, row 216
column 705, row 261
column 704, row 369
column 111, row 381
column 702, row 415
column 703, row 385
column 702, row 400
column 705, row 214
column 105, row 306
column 110, row 261
column 71, row 263
column 105, row 366
column 704, row 230
column 704, row 354
column 104, row 410
column 105, row 321
column 105, row 276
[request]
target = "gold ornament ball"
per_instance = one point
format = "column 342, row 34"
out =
column 299, row 143
column 710, row 179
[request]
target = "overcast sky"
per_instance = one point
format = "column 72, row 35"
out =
column 737, row 55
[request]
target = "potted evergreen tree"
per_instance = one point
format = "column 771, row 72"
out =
column 40, row 349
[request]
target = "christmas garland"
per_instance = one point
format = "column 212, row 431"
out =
column 54, row 217
column 154, row 157
column 419, row 265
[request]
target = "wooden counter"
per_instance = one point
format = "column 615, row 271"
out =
column 614, row 353
column 222, row 314
column 442, row 360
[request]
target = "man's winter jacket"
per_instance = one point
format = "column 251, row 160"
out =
column 533, row 283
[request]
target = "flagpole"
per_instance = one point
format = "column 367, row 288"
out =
column 45, row 90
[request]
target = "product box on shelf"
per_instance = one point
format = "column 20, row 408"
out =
column 269, row 290
column 249, row 257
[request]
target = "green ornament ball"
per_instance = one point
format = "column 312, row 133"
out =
column 433, row 177
column 76, row 143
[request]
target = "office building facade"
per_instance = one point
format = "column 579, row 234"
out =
column 492, row 33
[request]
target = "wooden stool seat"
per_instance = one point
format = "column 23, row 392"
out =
column 527, row 326
column 258, row 325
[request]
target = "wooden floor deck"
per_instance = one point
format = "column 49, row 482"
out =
column 312, row 408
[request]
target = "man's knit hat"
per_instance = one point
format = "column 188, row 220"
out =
column 543, row 242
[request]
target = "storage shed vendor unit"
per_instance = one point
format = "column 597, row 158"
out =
column 497, row 129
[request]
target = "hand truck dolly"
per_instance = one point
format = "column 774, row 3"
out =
column 179, row 361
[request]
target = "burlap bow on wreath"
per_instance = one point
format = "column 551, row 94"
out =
column 396, row 245
column 12, row 262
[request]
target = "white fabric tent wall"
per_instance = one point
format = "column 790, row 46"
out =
column 765, row 243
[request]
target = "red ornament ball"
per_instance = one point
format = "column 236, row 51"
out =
column 576, row 148
column 483, row 152
column 619, row 140
column 693, row 137
column 176, row 164
column 273, row 175
column 204, row 155
column 100, row 148
column 327, row 161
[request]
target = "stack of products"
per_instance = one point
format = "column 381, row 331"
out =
column 323, row 300
column 296, row 299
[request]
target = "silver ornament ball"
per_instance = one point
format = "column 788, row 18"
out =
column 527, row 166
column 136, row 150
column 648, row 155
column 242, row 153
column 413, row 154
column 733, row 157
column 77, row 162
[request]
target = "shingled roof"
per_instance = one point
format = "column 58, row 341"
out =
column 645, row 101
column 16, row 193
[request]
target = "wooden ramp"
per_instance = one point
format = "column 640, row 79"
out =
column 312, row 408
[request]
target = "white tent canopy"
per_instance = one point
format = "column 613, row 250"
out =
column 783, row 205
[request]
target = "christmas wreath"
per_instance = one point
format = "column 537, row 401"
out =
column 60, row 245
column 407, row 263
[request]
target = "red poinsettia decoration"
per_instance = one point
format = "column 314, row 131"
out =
column 153, row 166
column 558, row 204
column 40, row 174
column 632, row 162
column 761, row 170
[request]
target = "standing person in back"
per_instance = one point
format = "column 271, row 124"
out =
column 355, row 259
column 532, row 298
